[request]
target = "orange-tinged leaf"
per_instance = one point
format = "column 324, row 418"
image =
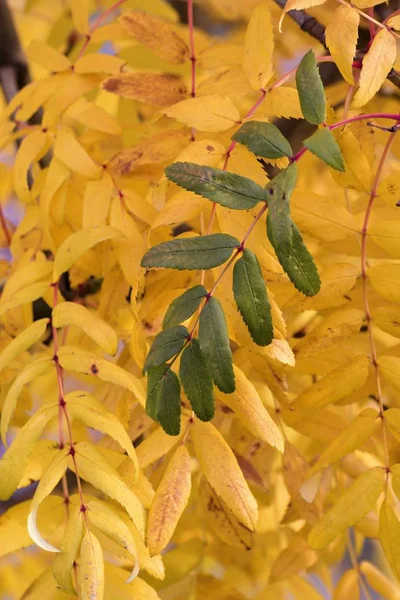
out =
column 207, row 113
column 375, row 66
column 355, row 502
column 91, row 570
column 259, row 47
column 221, row 469
column 152, row 88
column 341, row 38
column 156, row 34
column 170, row 500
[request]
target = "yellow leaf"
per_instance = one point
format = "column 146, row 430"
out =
column 70, row 152
column 387, row 319
column 222, row 521
column 75, row 245
column 46, row 56
column 24, row 276
column 95, row 469
column 15, row 459
column 94, row 117
column 71, row 313
column 81, row 361
column 91, row 569
column 33, row 147
column 143, row 488
column 47, row 483
column 138, row 206
column 130, row 248
column 351, row 438
column 207, row 113
column 115, row 586
column 80, row 15
column 86, row 408
column 232, row 83
column 156, row 34
column 348, row 586
column 389, row 533
column 297, row 5
column 376, row 65
column 354, row 503
column 221, row 469
column 358, row 174
column 99, row 63
column 394, row 22
column 248, row 407
column 111, row 525
column 292, row 560
column 378, row 581
column 63, row 563
column 157, row 444
column 385, row 280
column 96, row 202
column 183, row 206
column 386, row 235
column 389, row 366
column 338, row 384
column 295, row 473
column 152, row 88
column 23, row 341
column 341, row 38
column 170, row 500
column 321, row 218
column 259, row 47
column 25, row 295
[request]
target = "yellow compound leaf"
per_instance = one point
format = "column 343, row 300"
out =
column 221, row 469
column 86, row 408
column 385, row 280
column 23, row 341
column 259, row 47
column 33, row 370
column 62, row 565
column 207, row 113
column 91, row 569
column 111, row 525
column 292, row 560
column 222, row 521
column 157, row 444
column 379, row 581
column 375, row 66
column 160, row 147
column 95, row 469
column 16, row 457
column 386, row 235
column 341, row 38
column 80, row 15
column 75, row 245
column 156, row 34
column 71, row 313
column 170, row 500
column 389, row 533
column 297, row 5
column 248, row 407
column 32, row 148
column 46, row 56
column 70, row 152
column 338, row 384
column 355, row 502
column 387, row 319
column 151, row 88
column 352, row 437
column 47, row 483
column 81, row 361
column 99, row 63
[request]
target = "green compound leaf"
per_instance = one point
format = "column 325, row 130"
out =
column 155, row 376
column 197, row 381
column 323, row 144
column 311, row 90
column 169, row 403
column 264, row 139
column 214, row 342
column 278, row 193
column 165, row 345
column 202, row 252
column 298, row 263
column 184, row 306
column 251, row 298
column 227, row 189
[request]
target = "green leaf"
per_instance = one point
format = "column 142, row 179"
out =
column 278, row 192
column 165, row 345
column 184, row 306
column 169, row 403
column 214, row 342
column 197, row 381
column 155, row 376
column 202, row 252
column 263, row 139
column 227, row 189
column 323, row 144
column 251, row 298
column 298, row 263
column 311, row 90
